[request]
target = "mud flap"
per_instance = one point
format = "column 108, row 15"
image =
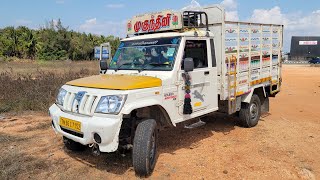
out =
column 265, row 105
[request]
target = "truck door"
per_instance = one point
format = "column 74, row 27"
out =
column 203, row 89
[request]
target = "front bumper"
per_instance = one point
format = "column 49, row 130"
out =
column 108, row 129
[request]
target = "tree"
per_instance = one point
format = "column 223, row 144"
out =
column 54, row 41
column 9, row 41
column 26, row 43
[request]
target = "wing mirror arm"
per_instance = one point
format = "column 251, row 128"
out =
column 103, row 65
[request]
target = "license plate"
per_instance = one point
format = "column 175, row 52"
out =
column 70, row 124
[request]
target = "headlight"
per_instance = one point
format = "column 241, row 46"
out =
column 60, row 97
column 111, row 104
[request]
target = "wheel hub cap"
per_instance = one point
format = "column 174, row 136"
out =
column 253, row 111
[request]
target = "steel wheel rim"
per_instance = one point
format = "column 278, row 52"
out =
column 254, row 111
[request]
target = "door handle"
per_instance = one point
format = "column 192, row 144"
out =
column 206, row 72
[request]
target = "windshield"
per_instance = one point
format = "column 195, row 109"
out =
column 147, row 54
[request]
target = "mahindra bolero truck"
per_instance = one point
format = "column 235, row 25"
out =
column 172, row 68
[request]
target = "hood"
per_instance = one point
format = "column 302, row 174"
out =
column 117, row 82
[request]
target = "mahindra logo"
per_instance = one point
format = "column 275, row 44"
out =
column 78, row 98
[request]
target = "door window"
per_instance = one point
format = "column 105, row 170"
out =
column 197, row 50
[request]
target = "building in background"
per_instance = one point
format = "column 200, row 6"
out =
column 304, row 48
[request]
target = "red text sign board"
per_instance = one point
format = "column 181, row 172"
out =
column 155, row 22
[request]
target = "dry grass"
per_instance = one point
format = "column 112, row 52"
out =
column 5, row 138
column 27, row 66
column 33, row 86
column 10, row 165
column 13, row 162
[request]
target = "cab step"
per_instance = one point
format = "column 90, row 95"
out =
column 195, row 125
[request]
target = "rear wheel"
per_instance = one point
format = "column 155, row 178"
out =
column 145, row 148
column 250, row 112
column 72, row 145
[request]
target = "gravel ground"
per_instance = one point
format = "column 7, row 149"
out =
column 284, row 145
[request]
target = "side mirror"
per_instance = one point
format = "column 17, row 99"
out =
column 188, row 64
column 103, row 65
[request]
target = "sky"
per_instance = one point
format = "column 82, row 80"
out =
column 300, row 17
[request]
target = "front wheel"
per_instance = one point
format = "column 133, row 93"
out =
column 250, row 112
column 145, row 146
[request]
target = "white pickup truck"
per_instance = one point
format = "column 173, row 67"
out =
column 171, row 68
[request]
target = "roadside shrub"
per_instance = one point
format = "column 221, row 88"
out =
column 34, row 91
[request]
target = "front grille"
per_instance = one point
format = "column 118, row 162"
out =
column 71, row 132
column 85, row 106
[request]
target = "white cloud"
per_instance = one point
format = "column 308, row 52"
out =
column 229, row 4
column 55, row 22
column 95, row 26
column 232, row 16
column 193, row 6
column 115, row 6
column 294, row 24
column 230, row 7
column 92, row 21
column 307, row 25
column 272, row 15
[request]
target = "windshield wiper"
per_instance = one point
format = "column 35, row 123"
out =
column 128, row 63
column 152, row 64
column 118, row 67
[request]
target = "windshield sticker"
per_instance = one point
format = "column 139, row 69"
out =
column 170, row 95
column 175, row 41
column 199, row 96
column 197, row 104
column 145, row 43
column 116, row 56
column 121, row 45
column 170, row 52
column 150, row 42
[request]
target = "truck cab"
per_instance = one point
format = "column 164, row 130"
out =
column 161, row 56
column 173, row 67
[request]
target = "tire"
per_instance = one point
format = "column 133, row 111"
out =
column 72, row 145
column 250, row 113
column 145, row 146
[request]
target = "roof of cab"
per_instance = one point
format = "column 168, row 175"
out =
column 189, row 33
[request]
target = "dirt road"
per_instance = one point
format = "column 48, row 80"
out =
column 284, row 145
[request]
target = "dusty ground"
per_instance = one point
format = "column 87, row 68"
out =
column 284, row 145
